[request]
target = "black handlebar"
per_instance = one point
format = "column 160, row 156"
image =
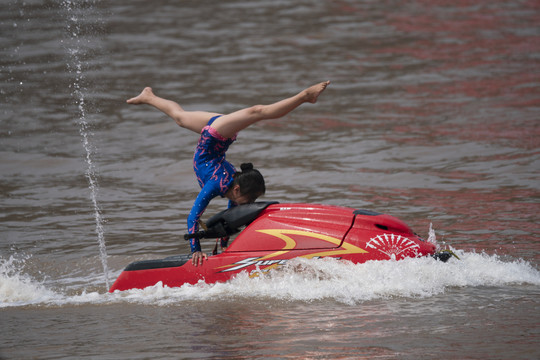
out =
column 198, row 235
column 228, row 222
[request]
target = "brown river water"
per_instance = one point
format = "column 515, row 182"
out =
column 433, row 116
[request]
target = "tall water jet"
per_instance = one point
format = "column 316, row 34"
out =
column 77, row 27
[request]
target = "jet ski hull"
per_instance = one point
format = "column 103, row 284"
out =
column 277, row 233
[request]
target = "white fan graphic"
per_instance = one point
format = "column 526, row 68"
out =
column 392, row 245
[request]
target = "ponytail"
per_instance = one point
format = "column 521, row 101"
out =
column 250, row 180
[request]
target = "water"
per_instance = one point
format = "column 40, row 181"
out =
column 432, row 116
column 74, row 27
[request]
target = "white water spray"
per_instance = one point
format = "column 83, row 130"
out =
column 75, row 49
column 318, row 279
column 432, row 238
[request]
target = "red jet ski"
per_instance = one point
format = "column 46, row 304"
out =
column 275, row 233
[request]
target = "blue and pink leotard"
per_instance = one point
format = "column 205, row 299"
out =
column 214, row 174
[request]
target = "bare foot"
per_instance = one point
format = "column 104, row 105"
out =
column 143, row 98
column 313, row 92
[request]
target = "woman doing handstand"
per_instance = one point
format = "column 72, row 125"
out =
column 215, row 174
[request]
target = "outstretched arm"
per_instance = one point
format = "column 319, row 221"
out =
column 208, row 192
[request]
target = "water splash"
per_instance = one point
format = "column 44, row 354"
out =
column 76, row 50
column 432, row 237
column 298, row 280
column 18, row 288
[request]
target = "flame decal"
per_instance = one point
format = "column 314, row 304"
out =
column 290, row 244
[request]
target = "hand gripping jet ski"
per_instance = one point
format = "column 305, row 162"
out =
column 275, row 233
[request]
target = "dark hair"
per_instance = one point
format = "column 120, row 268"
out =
column 251, row 182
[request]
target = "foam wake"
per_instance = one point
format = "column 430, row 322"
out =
column 298, row 280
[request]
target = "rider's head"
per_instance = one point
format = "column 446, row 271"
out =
column 247, row 186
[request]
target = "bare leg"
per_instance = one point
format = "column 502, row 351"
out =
column 229, row 125
column 192, row 120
